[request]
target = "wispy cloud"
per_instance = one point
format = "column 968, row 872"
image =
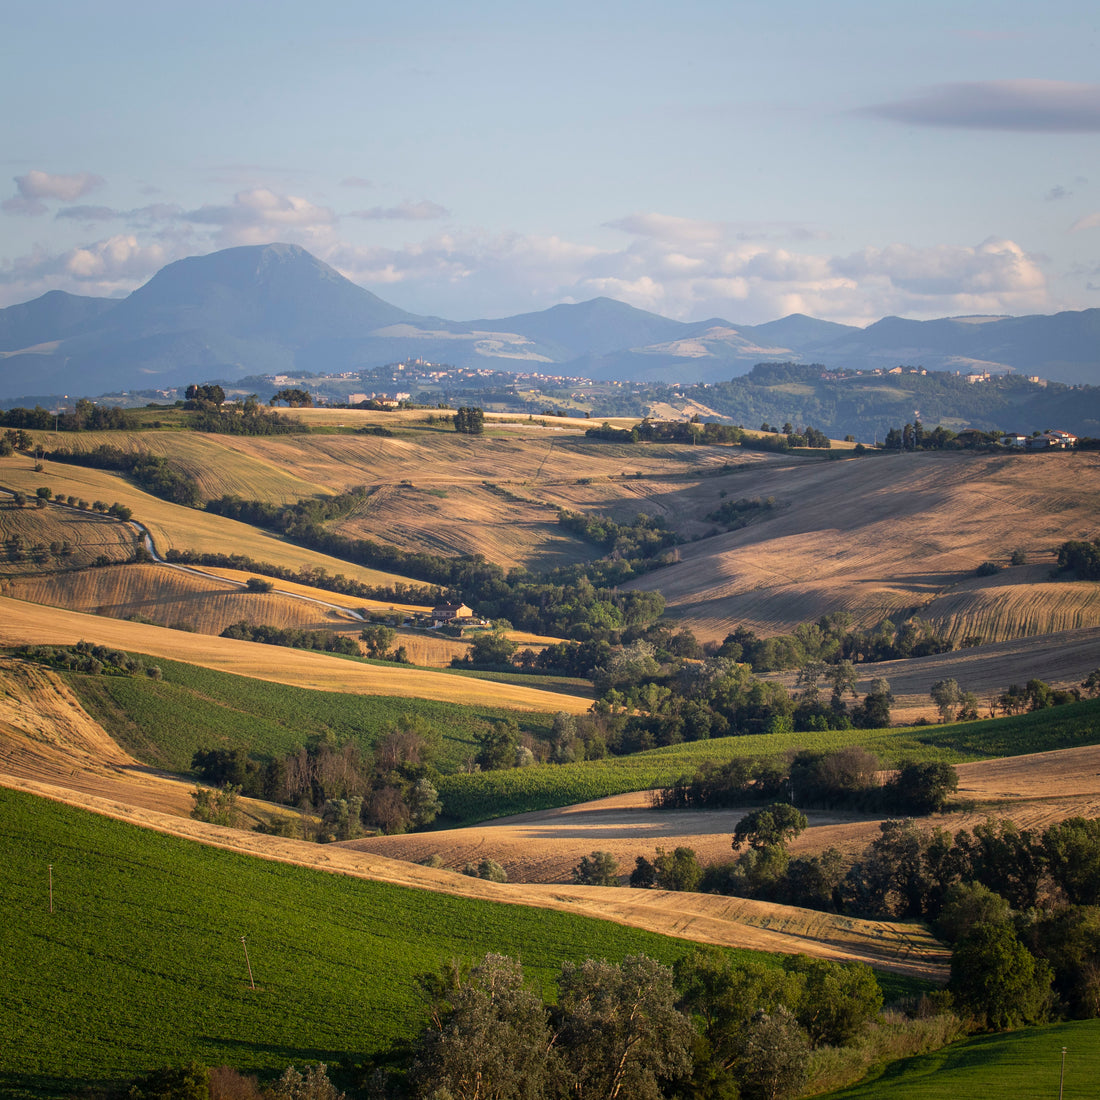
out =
column 1026, row 106
column 405, row 211
column 355, row 181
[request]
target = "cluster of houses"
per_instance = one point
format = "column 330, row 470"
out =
column 1050, row 440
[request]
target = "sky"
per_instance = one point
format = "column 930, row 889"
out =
column 698, row 159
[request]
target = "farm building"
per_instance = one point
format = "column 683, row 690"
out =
column 449, row 612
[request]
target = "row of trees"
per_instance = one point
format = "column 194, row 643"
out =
column 637, row 1029
column 391, row 791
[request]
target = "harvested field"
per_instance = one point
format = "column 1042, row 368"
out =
column 179, row 528
column 32, row 624
column 1063, row 660
column 81, row 538
column 886, row 536
column 1034, row 791
column 213, row 467
column 497, row 494
column 324, row 595
column 176, row 598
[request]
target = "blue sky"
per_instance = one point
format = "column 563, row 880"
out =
column 697, row 159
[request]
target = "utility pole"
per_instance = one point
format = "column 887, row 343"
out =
column 251, row 981
column 49, row 868
column 1062, row 1077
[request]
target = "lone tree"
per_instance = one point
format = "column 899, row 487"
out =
column 295, row 398
column 773, row 825
column 470, row 420
column 598, row 869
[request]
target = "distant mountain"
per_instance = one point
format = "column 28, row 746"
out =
column 54, row 316
column 593, row 328
column 270, row 309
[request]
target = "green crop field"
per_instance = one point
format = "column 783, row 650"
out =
column 141, row 963
column 1023, row 1065
column 477, row 797
column 164, row 723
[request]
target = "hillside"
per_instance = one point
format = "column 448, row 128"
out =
column 889, row 537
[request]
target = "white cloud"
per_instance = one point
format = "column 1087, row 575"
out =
column 1034, row 106
column 679, row 267
column 37, row 185
column 259, row 216
column 109, row 267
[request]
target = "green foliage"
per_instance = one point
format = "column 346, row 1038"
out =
column 599, row 869
column 775, row 824
column 258, row 584
column 1081, row 557
column 265, row 719
column 469, row 420
column 326, row 641
column 676, row 870
column 141, row 962
column 998, row 981
column 216, row 805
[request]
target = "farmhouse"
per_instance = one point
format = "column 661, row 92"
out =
column 449, row 612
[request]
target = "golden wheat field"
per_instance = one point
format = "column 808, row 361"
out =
column 27, row 534
column 177, row 598
column 177, row 528
column 33, row 624
column 888, row 536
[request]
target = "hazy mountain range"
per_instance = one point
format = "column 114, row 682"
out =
column 272, row 309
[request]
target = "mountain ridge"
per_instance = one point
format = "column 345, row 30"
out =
column 276, row 308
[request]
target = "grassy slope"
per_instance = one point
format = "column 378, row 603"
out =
column 470, row 798
column 1020, row 1064
column 141, row 963
column 226, row 711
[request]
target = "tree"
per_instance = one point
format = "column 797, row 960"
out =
column 295, row 398
column 774, row 1055
column 205, row 397
column 258, row 584
column 677, row 870
column 424, row 802
column 488, row 1038
column 598, row 869
column 487, row 869
column 1073, row 851
column 314, row 1085
column 948, row 697
column 498, row 745
column 998, row 981
column 216, row 805
column 774, row 824
column 837, row 1000
column 469, row 420
column 965, row 906
column 922, row 787
column 620, row 1032
column 378, row 639
column 495, row 648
